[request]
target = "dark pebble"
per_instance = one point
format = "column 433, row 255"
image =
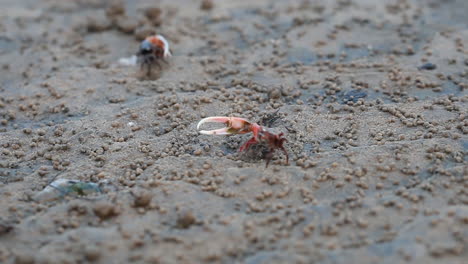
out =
column 427, row 66
column 354, row 95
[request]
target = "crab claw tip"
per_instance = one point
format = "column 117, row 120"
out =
column 215, row 119
column 199, row 124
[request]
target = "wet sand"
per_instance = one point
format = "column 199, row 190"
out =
column 371, row 97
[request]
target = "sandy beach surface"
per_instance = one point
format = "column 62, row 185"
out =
column 102, row 164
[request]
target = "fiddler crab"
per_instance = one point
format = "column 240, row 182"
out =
column 237, row 125
column 152, row 50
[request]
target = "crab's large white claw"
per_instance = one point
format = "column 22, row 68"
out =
column 167, row 51
column 215, row 119
column 234, row 125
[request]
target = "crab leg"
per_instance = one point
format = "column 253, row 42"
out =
column 247, row 144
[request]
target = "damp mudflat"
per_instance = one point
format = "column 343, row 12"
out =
column 100, row 163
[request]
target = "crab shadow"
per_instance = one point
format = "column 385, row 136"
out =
column 259, row 153
column 152, row 75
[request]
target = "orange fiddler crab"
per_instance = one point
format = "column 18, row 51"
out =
column 152, row 50
column 237, row 125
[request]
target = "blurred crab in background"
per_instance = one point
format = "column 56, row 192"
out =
column 152, row 50
column 237, row 125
